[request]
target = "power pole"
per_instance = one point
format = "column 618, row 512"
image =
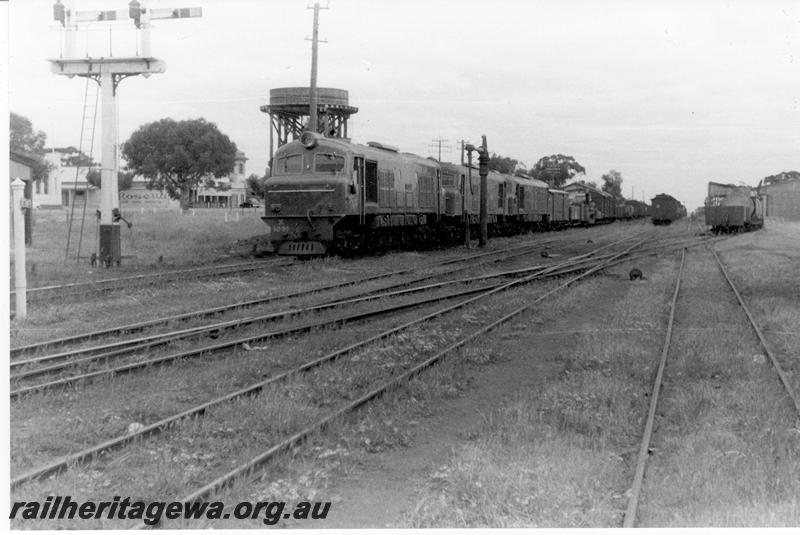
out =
column 313, row 121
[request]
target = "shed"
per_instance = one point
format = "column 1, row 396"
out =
column 782, row 199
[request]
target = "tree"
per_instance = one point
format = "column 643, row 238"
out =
column 124, row 179
column 256, row 185
column 22, row 137
column 556, row 169
column 180, row 156
column 501, row 164
column 612, row 183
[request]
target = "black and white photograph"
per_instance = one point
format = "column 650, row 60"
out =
column 420, row 264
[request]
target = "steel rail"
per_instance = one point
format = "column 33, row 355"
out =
column 118, row 349
column 156, row 427
column 255, row 302
column 246, row 469
column 131, row 345
column 124, row 347
column 297, row 329
column 120, row 282
column 641, row 463
column 784, row 378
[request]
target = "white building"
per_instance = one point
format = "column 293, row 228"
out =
column 228, row 198
column 66, row 183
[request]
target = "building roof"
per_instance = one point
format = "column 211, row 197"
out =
column 580, row 185
column 22, row 157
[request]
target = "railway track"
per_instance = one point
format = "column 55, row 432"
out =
column 24, row 369
column 504, row 254
column 501, row 255
column 644, row 451
column 107, row 285
column 246, row 470
column 563, row 268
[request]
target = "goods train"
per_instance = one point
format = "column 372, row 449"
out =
column 328, row 194
column 666, row 209
column 730, row 208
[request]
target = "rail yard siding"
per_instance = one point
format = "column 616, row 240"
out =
column 783, row 200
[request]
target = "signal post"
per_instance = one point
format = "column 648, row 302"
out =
column 108, row 72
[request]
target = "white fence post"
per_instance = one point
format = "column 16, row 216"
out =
column 20, row 279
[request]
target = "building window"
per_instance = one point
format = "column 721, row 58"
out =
column 241, row 168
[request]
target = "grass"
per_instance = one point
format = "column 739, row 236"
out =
column 166, row 466
column 725, row 451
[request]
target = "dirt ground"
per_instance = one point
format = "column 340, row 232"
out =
column 382, row 491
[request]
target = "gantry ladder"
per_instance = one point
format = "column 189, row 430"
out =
column 85, row 147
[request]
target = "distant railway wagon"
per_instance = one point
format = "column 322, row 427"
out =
column 665, row 209
column 730, row 208
column 558, row 208
column 636, row 209
column 590, row 205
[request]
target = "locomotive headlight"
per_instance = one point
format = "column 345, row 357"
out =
column 309, row 139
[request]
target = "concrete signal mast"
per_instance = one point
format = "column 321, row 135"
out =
column 108, row 72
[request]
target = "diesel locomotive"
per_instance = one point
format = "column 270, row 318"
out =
column 330, row 195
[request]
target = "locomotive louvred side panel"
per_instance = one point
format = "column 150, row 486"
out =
column 386, row 194
column 426, row 186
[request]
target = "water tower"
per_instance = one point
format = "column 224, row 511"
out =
column 289, row 110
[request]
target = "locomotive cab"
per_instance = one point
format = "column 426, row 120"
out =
column 311, row 187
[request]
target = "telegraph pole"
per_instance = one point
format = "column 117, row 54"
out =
column 438, row 144
column 313, row 99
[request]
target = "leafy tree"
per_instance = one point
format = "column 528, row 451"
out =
column 556, row 169
column 22, row 137
column 180, row 156
column 781, row 177
column 590, row 183
column 502, row 164
column 256, row 185
column 124, row 179
column 79, row 159
column 612, row 183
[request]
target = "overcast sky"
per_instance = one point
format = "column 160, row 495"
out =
column 671, row 94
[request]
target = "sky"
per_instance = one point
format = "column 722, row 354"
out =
column 672, row 94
